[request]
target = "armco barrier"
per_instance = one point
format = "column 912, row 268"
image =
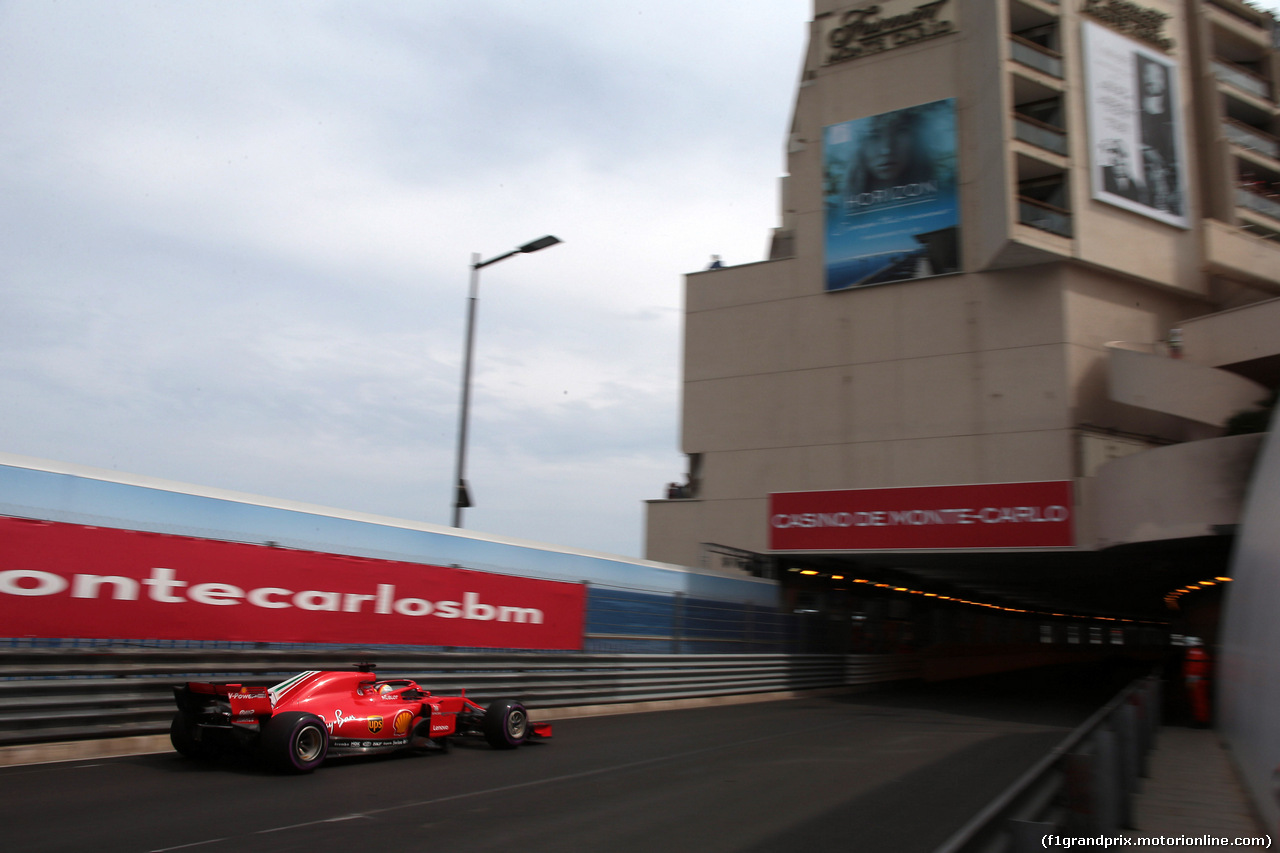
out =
column 1083, row 788
column 67, row 694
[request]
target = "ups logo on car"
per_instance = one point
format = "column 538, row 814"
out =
column 375, row 725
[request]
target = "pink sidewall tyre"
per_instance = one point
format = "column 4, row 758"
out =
column 295, row 742
column 506, row 724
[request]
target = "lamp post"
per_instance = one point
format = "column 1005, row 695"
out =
column 461, row 494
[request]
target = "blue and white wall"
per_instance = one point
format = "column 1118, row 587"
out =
column 633, row 605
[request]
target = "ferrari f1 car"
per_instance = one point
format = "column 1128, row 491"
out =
column 299, row 722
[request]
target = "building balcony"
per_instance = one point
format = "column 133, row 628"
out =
column 1238, row 133
column 1182, row 491
column 1242, row 79
column 1032, row 55
column 1246, row 252
column 1237, row 336
column 1178, row 387
column 1044, row 216
column 1258, row 203
column 1040, row 134
column 1243, row 12
column 1258, row 229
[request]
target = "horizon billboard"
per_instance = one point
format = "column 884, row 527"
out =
column 891, row 201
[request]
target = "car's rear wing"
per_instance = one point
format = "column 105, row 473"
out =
column 239, row 702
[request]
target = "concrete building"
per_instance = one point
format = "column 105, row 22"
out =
column 1027, row 268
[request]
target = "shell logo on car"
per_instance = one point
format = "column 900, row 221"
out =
column 400, row 725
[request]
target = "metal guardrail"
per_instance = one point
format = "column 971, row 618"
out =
column 1045, row 217
column 1084, row 787
column 1034, row 56
column 1040, row 134
column 1251, row 138
column 51, row 695
column 1257, row 203
column 1241, row 78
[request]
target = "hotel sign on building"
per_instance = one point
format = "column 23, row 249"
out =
column 983, row 516
column 1132, row 20
column 873, row 28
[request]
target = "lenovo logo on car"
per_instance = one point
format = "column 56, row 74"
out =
column 164, row 586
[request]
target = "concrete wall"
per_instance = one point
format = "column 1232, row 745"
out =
column 1249, row 665
column 1179, row 387
column 1100, row 310
column 1175, row 492
column 1241, row 255
column 1230, row 337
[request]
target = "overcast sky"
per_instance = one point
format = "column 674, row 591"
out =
column 235, row 237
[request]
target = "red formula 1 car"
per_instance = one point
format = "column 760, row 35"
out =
column 299, row 722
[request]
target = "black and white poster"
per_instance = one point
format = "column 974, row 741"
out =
column 1135, row 128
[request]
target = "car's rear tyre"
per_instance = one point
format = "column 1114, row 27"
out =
column 295, row 742
column 182, row 736
column 506, row 724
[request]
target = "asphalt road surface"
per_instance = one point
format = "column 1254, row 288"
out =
column 896, row 772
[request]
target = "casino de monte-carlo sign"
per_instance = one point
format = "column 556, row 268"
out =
column 872, row 28
column 978, row 516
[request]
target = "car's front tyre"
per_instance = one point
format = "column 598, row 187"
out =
column 506, row 724
column 295, row 742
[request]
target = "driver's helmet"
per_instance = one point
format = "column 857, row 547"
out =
column 385, row 689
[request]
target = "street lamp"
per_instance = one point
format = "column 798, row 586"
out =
column 461, row 495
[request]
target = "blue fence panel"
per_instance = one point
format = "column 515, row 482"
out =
column 628, row 621
column 611, row 611
column 616, row 621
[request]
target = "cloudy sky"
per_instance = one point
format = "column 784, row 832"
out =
column 235, row 236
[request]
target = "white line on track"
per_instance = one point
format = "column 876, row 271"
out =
column 501, row 789
column 187, row 846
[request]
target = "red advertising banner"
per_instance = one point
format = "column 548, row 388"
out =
column 989, row 515
column 66, row 580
